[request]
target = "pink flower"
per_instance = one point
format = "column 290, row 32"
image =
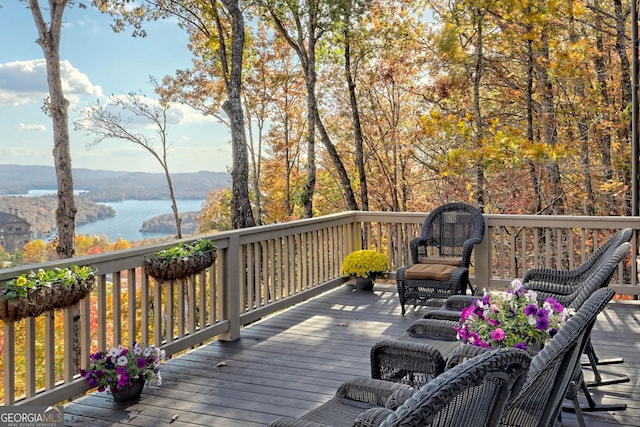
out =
column 497, row 334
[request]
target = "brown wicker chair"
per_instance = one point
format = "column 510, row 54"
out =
column 472, row 393
column 441, row 256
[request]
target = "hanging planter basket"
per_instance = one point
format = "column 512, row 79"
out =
column 179, row 268
column 181, row 261
column 42, row 298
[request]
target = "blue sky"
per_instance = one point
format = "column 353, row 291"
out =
column 97, row 63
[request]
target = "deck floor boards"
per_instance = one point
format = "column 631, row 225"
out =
column 291, row 362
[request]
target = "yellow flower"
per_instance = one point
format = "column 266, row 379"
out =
column 365, row 263
column 21, row 281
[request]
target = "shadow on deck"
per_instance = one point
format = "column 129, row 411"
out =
column 291, row 362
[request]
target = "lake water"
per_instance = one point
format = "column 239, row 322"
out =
column 130, row 214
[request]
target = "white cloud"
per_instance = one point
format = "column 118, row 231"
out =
column 22, row 82
column 32, row 127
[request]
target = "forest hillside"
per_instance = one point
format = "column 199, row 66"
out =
column 99, row 186
column 112, row 186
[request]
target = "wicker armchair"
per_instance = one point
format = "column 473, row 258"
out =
column 472, row 393
column 441, row 256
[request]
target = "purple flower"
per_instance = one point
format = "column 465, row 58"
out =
column 493, row 322
column 479, row 311
column 486, row 299
column 497, row 334
column 542, row 323
column 555, row 305
column 521, row 346
column 543, row 312
column 141, row 362
column 531, row 310
column 466, row 313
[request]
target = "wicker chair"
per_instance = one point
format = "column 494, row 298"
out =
column 553, row 372
column 600, row 277
column 441, row 256
column 564, row 286
column 566, row 281
column 474, row 392
column 442, row 325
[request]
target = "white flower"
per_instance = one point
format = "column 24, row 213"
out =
column 122, row 361
column 113, row 353
column 147, row 352
column 137, row 350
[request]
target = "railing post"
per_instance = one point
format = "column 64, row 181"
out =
column 482, row 264
column 231, row 289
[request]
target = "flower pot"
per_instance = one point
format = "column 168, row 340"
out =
column 364, row 284
column 129, row 392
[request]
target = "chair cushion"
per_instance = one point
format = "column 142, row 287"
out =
column 447, row 260
column 440, row 272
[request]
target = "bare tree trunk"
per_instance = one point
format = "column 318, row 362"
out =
column 241, row 213
column 625, row 83
column 174, row 205
column 477, row 82
column 57, row 106
column 357, row 126
column 604, row 133
column 549, row 129
column 530, row 135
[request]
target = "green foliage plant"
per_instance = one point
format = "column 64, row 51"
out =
column 365, row 263
column 28, row 282
column 184, row 250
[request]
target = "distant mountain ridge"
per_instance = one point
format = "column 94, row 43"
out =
column 110, row 186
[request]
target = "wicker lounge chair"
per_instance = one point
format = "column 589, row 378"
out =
column 565, row 281
column 441, row 256
column 472, row 393
column 600, row 276
column 435, row 328
column 554, row 372
column 562, row 285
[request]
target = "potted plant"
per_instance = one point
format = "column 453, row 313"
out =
column 34, row 293
column 511, row 319
column 181, row 261
column 365, row 265
column 124, row 371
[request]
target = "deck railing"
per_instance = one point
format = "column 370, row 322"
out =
column 257, row 272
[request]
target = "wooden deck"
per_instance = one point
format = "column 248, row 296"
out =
column 291, row 362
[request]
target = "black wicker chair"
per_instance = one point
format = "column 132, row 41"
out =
column 439, row 326
column 565, row 281
column 554, row 372
column 474, row 392
column 441, row 256
column 564, row 286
